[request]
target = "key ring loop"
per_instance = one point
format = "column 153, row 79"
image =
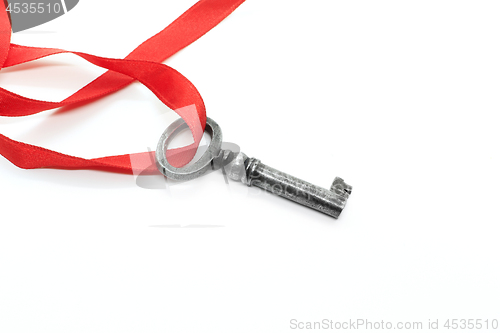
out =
column 202, row 165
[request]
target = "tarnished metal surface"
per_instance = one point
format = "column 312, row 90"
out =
column 252, row 172
column 329, row 202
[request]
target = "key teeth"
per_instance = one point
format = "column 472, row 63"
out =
column 340, row 187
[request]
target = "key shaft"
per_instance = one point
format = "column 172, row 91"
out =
column 330, row 202
column 253, row 172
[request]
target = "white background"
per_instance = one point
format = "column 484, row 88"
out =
column 399, row 98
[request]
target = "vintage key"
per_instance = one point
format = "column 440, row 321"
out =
column 252, row 172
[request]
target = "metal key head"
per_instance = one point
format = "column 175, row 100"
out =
column 199, row 167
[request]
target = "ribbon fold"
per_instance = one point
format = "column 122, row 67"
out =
column 144, row 64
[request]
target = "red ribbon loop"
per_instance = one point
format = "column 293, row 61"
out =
column 144, row 64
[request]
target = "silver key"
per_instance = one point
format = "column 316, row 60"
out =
column 252, row 172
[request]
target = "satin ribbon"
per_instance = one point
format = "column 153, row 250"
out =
column 144, row 64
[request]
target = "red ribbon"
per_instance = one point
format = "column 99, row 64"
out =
column 144, row 64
